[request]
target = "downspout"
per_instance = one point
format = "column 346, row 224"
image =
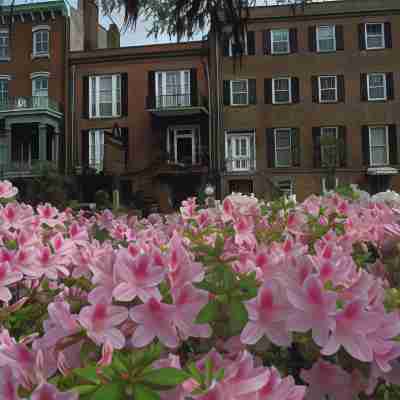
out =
column 217, row 133
column 210, row 113
column 72, row 116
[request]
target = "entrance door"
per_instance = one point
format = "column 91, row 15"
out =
column 185, row 146
column 241, row 186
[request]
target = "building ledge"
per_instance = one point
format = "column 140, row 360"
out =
column 374, row 171
column 178, row 111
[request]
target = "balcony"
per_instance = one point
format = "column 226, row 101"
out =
column 240, row 165
column 177, row 105
column 31, row 105
column 23, row 169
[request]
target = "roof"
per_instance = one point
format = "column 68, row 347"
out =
column 37, row 6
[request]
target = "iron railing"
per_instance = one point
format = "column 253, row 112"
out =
column 240, row 164
column 16, row 169
column 29, row 103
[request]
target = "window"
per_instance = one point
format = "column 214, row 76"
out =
column 379, row 145
column 41, row 37
column 374, row 36
column 329, row 148
column 105, row 96
column 283, row 147
column 327, row 89
column 3, row 149
column 285, row 188
column 96, row 149
column 3, row 91
column 239, row 92
column 376, row 87
column 40, row 87
column 4, row 45
column 329, row 184
column 233, row 48
column 280, row 41
column 173, row 88
column 240, row 151
column 281, row 91
column 326, row 38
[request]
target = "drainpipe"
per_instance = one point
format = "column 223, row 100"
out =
column 72, row 83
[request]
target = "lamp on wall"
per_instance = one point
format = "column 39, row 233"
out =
column 209, row 191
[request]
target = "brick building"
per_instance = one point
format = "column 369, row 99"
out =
column 313, row 80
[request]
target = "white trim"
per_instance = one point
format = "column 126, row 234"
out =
column 195, row 130
column 41, row 28
column 318, row 38
column 250, row 136
column 323, row 184
column 386, row 146
column 280, row 41
column 290, row 130
column 247, row 92
column 5, row 77
column 384, row 98
column 43, row 74
column 320, row 89
column 115, row 101
column 289, row 79
column 383, row 36
column 35, row 32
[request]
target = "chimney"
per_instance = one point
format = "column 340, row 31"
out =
column 90, row 12
column 113, row 37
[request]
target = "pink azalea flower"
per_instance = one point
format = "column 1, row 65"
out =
column 267, row 316
column 7, row 190
column 8, row 384
column 244, row 229
column 155, row 319
column 101, row 321
column 315, row 309
column 7, row 278
column 49, row 392
column 48, row 214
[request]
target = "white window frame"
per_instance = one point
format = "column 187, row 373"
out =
column 195, row 130
column 320, row 89
column 386, row 144
column 39, row 75
column 318, row 38
column 247, row 92
column 280, row 41
column 116, row 96
column 6, row 78
column 280, row 183
column 383, row 36
column 6, row 57
column 230, row 157
column 274, row 101
column 290, row 130
column 325, row 128
column 185, row 89
column 35, row 31
column 245, row 50
column 323, row 184
column 96, row 139
column 384, row 98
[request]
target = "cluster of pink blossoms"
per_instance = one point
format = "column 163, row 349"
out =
column 143, row 284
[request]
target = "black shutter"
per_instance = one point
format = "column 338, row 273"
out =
column 252, row 91
column 293, row 40
column 267, row 41
column 363, row 87
column 312, row 38
column 296, row 147
column 339, row 37
column 251, row 43
column 393, row 158
column 342, row 147
column 388, row 35
column 314, row 89
column 361, row 36
column 193, row 88
column 85, row 148
column 85, row 97
column 151, row 101
column 225, row 47
column 268, row 91
column 227, row 93
column 270, row 140
column 341, row 89
column 365, row 145
column 295, row 90
column 390, row 86
column 124, row 94
column 125, row 142
column 316, row 135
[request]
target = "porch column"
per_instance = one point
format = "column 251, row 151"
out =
column 42, row 142
column 55, row 146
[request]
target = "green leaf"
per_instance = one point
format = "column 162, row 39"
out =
column 112, row 391
column 209, row 371
column 88, row 373
column 196, row 374
column 166, row 377
column 208, row 313
column 84, row 389
column 142, row 392
column 238, row 316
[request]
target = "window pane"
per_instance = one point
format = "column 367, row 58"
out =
column 3, row 91
column 281, row 84
column 283, row 139
column 327, row 44
column 105, row 96
column 283, row 157
column 239, row 86
column 379, row 156
column 376, row 80
column 280, row 35
column 282, row 97
column 374, row 29
column 326, row 32
column 378, row 136
column 328, row 82
column 377, row 93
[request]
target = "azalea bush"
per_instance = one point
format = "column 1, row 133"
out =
column 247, row 300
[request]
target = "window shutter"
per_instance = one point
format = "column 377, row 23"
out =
column 225, row 47
column 295, row 90
column 125, row 141
column 193, row 87
column 270, row 140
column 342, row 148
column 393, row 158
column 85, row 148
column 227, row 93
column 293, row 40
column 251, row 43
column 390, row 86
column 268, row 90
column 314, row 89
column 85, row 97
column 124, row 94
column 363, row 87
column 316, row 135
column 365, row 145
column 339, row 37
column 341, row 89
column 252, row 91
column 361, row 36
column 296, row 147
column 151, row 90
column 388, row 35
column 312, row 38
column 267, row 41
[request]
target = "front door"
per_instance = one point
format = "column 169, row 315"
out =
column 185, row 146
column 241, row 186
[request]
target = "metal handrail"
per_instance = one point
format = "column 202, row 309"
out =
column 32, row 102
